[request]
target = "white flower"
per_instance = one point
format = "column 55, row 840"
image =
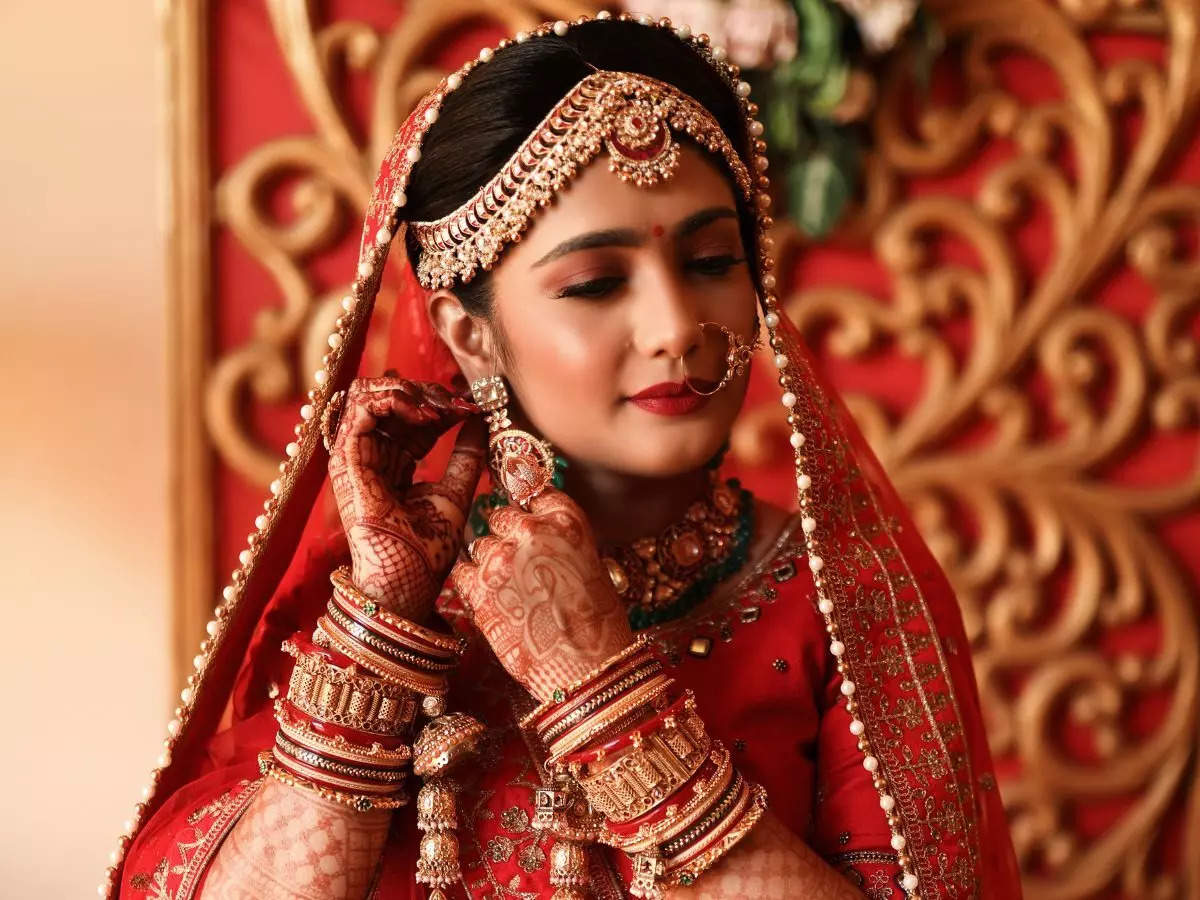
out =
column 755, row 34
column 760, row 33
column 880, row 22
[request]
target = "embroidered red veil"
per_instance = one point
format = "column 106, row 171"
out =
column 894, row 608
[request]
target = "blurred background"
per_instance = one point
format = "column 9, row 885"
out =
column 84, row 519
column 989, row 218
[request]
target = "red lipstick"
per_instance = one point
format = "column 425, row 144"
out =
column 668, row 398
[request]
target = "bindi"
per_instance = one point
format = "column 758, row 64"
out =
column 658, row 231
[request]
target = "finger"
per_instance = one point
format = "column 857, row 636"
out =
column 462, row 577
column 439, row 396
column 503, row 520
column 437, row 393
column 465, row 464
column 397, row 404
column 385, row 383
column 478, row 549
column 552, row 500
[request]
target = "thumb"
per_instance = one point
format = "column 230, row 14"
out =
column 466, row 463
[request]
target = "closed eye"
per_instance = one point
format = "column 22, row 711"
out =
column 713, row 265
column 593, row 287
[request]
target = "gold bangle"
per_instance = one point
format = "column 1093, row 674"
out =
column 583, row 733
column 318, row 761
column 654, row 838
column 269, row 767
column 390, row 649
column 374, row 754
column 648, row 773
column 607, row 691
column 726, row 787
column 561, row 695
column 346, row 697
column 449, row 644
column 567, row 708
column 686, row 874
column 301, row 769
column 378, row 665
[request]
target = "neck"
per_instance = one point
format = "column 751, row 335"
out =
column 623, row 508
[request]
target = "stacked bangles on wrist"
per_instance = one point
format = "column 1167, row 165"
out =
column 346, row 726
column 633, row 745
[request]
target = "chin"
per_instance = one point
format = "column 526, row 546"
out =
column 667, row 455
column 647, row 446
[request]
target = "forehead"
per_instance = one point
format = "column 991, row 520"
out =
column 598, row 200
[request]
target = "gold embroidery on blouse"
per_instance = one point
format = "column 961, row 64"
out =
column 742, row 604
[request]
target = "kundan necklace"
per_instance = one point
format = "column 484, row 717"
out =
column 663, row 577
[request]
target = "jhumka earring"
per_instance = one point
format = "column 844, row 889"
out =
column 562, row 810
column 445, row 744
column 737, row 357
column 522, row 465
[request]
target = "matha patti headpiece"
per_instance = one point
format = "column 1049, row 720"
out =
column 634, row 117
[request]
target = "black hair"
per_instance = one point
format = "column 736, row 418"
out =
column 482, row 122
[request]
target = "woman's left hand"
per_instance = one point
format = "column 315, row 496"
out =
column 540, row 594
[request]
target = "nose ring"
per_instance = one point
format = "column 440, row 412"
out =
column 737, row 357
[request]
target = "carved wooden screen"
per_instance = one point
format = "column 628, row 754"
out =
column 1012, row 312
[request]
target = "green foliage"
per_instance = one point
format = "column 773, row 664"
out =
column 817, row 158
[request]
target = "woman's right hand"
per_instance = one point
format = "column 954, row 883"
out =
column 403, row 536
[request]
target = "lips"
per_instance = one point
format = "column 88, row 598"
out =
column 668, row 398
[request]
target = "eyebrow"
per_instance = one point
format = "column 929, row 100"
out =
column 698, row 220
column 611, row 237
column 629, row 237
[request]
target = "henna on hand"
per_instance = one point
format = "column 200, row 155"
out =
column 541, row 596
column 290, row 843
column 772, row 863
column 403, row 536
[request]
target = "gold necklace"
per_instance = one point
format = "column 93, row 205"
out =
column 663, row 577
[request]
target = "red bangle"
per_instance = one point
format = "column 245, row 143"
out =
column 316, row 776
column 408, row 653
column 622, row 829
column 328, row 729
column 407, row 632
column 624, row 740
column 305, row 646
column 645, row 664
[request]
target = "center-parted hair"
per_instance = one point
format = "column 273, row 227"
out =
column 483, row 122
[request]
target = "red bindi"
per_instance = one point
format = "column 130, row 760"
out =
column 658, row 231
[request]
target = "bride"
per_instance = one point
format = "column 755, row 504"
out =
column 616, row 672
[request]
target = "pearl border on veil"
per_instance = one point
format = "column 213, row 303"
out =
column 372, row 255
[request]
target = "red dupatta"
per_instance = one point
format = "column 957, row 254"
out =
column 894, row 608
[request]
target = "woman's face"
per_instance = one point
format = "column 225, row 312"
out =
column 603, row 295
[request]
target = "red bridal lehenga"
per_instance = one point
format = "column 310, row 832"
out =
column 756, row 653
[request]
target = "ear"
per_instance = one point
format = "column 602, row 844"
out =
column 469, row 338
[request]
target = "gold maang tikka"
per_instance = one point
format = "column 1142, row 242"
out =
column 522, row 465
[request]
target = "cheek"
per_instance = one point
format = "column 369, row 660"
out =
column 564, row 363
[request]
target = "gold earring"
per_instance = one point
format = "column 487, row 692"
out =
column 522, row 465
column 737, row 357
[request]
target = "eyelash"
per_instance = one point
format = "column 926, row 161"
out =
column 712, row 266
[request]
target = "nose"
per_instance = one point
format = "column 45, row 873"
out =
column 667, row 322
